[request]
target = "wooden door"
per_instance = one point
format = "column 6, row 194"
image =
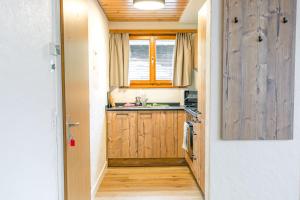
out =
column 122, row 134
column 258, row 69
column 148, row 134
column 76, row 99
column 168, row 134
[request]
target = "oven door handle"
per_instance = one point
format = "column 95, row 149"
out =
column 191, row 126
column 190, row 123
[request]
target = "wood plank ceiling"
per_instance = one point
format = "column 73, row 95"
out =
column 123, row 10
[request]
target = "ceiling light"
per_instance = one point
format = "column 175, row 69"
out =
column 149, row 4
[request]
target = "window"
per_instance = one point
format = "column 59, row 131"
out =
column 151, row 61
column 139, row 66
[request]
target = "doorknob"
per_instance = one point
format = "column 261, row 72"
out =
column 71, row 125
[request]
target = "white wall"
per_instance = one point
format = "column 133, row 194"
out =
column 30, row 142
column 250, row 170
column 98, row 61
column 190, row 13
column 159, row 95
column 163, row 95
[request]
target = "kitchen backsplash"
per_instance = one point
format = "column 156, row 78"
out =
column 154, row 94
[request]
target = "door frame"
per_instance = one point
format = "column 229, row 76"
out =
column 58, row 119
column 63, row 99
column 207, row 95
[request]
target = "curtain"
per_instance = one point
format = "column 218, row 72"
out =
column 183, row 60
column 118, row 59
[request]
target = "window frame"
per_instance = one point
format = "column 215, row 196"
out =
column 152, row 83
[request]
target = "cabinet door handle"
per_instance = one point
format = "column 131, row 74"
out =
column 146, row 115
column 122, row 114
column 260, row 39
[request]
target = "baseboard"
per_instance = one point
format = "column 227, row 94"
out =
column 146, row 162
column 99, row 180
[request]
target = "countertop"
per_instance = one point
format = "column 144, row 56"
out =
column 158, row 106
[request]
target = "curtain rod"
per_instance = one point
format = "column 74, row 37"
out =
column 173, row 31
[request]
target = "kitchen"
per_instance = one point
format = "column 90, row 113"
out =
column 153, row 121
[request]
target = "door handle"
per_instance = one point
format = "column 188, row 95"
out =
column 71, row 125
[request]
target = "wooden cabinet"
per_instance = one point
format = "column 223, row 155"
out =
column 145, row 134
column 197, row 163
column 258, row 69
column 122, row 134
column 148, row 135
column 169, row 135
column 200, row 154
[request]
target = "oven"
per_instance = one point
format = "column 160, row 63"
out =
column 190, row 139
column 191, row 99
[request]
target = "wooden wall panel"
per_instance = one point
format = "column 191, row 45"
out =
column 258, row 69
column 277, row 61
column 123, row 10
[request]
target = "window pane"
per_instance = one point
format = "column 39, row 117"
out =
column 139, row 60
column 164, row 59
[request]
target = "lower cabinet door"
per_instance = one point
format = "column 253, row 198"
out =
column 181, row 118
column 168, row 134
column 148, row 135
column 158, row 134
column 199, row 155
column 122, row 134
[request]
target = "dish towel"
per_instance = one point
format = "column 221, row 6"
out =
column 185, row 136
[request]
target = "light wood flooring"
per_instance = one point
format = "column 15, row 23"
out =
column 148, row 183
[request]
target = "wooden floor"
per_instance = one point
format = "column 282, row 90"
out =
column 148, row 183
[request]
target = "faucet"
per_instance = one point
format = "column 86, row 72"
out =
column 144, row 101
column 138, row 101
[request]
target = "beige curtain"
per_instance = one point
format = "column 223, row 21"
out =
column 183, row 60
column 118, row 59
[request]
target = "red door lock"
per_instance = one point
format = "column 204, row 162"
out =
column 72, row 142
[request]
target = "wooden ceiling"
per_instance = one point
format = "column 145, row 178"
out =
column 123, row 10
